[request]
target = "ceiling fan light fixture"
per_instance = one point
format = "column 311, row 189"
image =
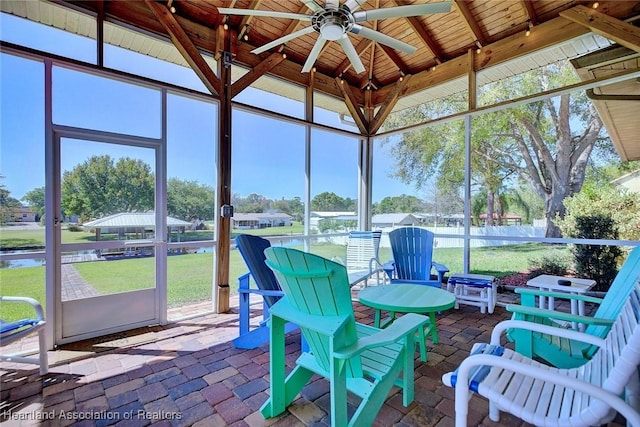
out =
column 331, row 31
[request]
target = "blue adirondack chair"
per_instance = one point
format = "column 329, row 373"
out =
column 562, row 352
column 412, row 249
column 358, row 358
column 252, row 250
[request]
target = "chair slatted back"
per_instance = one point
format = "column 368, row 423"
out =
column 252, row 250
column 412, row 249
column 316, row 286
column 362, row 247
column 612, row 366
column 617, row 294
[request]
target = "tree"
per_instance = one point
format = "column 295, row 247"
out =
column 547, row 143
column 328, row 202
column 100, row 186
column 35, row 199
column 8, row 204
column 189, row 201
column 399, row 204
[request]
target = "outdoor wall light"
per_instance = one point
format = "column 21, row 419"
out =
column 244, row 34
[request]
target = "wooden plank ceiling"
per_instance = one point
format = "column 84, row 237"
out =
column 482, row 32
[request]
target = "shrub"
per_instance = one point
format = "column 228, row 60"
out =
column 620, row 205
column 74, row 228
column 597, row 262
column 553, row 265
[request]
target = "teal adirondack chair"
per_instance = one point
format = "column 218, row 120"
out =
column 354, row 357
column 412, row 249
column 562, row 352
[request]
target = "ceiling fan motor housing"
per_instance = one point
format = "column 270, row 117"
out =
column 333, row 24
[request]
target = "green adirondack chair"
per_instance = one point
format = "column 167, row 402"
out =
column 354, row 357
column 562, row 352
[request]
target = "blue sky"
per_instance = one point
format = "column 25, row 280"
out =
column 268, row 154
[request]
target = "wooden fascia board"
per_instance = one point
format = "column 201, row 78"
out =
column 255, row 73
column 353, row 106
column 387, row 106
column 614, row 29
column 547, row 34
column 470, row 22
column 185, row 46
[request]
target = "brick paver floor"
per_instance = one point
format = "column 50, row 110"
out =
column 189, row 374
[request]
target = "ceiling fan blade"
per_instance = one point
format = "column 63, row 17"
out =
column 332, row 4
column 312, row 5
column 282, row 40
column 353, row 56
column 383, row 38
column 313, row 55
column 354, row 5
column 264, row 13
column 402, row 11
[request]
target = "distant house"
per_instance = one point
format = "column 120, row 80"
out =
column 630, row 181
column 394, row 220
column 246, row 221
column 23, row 214
column 316, row 216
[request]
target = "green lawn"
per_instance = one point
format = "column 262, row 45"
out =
column 190, row 276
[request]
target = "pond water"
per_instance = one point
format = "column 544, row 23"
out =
column 22, row 263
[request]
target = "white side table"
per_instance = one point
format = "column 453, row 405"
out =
column 547, row 282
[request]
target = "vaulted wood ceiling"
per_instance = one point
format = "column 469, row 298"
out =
column 475, row 34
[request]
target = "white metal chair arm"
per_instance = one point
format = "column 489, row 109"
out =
column 550, row 375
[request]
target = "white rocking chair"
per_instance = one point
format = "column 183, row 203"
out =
column 16, row 330
column 547, row 396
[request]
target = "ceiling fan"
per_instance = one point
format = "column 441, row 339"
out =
column 333, row 21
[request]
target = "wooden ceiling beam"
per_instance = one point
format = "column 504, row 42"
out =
column 185, row 46
column 256, row 72
column 353, row 106
column 246, row 20
column 426, row 38
column 395, row 58
column 422, row 33
column 532, row 16
column 387, row 106
column 614, row 29
column 470, row 22
column 547, row 34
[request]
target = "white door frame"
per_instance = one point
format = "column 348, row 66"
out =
column 72, row 319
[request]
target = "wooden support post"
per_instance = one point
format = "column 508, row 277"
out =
column 223, row 230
